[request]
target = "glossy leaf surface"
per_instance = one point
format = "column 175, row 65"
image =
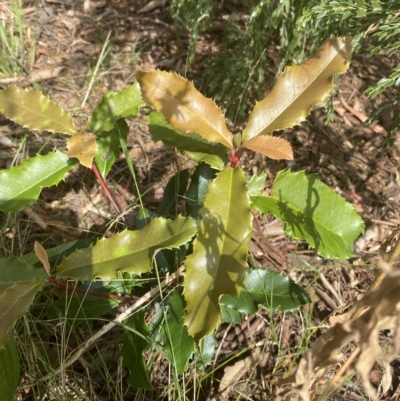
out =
column 83, row 146
column 130, row 251
column 298, row 89
column 135, row 332
column 178, row 345
column 312, row 211
column 184, row 106
column 108, row 144
column 9, row 370
column 33, row 110
column 256, row 183
column 218, row 263
column 263, row 287
column 20, row 186
column 191, row 143
column 114, row 105
column 273, row 147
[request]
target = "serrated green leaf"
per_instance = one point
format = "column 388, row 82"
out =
column 114, row 105
column 263, row 287
column 174, row 190
column 78, row 310
column 218, row 263
column 312, row 211
column 135, row 333
column 9, row 370
column 298, row 89
column 178, row 345
column 256, row 183
column 198, row 188
column 130, row 251
column 184, row 106
column 215, row 154
column 20, row 186
column 108, row 144
column 33, row 110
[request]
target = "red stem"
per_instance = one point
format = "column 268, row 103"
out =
column 60, row 284
column 110, row 196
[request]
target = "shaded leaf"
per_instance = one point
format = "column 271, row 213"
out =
column 218, row 263
column 312, row 211
column 78, row 310
column 114, row 105
column 298, row 89
column 9, row 370
column 263, row 287
column 33, row 110
column 174, row 190
column 14, row 271
column 191, row 143
column 20, row 186
column 198, row 188
column 184, row 106
column 19, row 284
column 135, row 333
column 178, row 345
column 58, row 252
column 83, row 146
column 273, row 147
column 108, row 144
column 130, row 251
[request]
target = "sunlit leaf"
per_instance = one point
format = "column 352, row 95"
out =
column 218, row 263
column 214, row 154
column 135, row 333
column 130, row 251
column 263, row 287
column 83, row 146
column 273, row 147
column 184, row 106
column 115, row 105
column 298, row 89
column 178, row 345
column 33, row 110
column 20, row 186
column 256, row 183
column 109, row 147
column 9, row 370
column 312, row 211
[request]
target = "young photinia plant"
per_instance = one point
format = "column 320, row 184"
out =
column 219, row 201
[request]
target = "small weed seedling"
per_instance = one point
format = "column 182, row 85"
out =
column 213, row 237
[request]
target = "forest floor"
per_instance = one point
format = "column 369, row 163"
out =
column 359, row 161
